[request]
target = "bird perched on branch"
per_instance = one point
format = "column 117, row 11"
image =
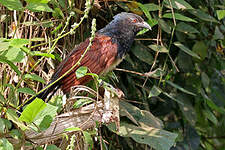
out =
column 108, row 49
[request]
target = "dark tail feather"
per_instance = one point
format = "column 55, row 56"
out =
column 43, row 95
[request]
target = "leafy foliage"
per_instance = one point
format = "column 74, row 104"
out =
column 173, row 78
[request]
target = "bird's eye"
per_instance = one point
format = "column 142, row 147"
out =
column 134, row 20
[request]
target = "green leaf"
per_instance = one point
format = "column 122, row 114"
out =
column 39, row 7
column 138, row 116
column 12, row 4
column 187, row 109
column 32, row 109
column 156, row 138
column 14, row 67
column 88, row 139
column 38, row 53
column 14, row 54
column 210, row 116
column 145, row 10
column 180, row 88
column 4, row 45
column 202, row 15
column 151, row 7
column 186, row 28
column 34, row 77
column 16, row 134
column 142, row 53
column 81, row 72
column 45, row 117
column 52, row 147
column 45, row 123
column 5, row 144
column 186, row 50
column 205, row 80
column 72, row 129
column 38, row 1
column 218, row 35
column 165, row 27
column 159, row 48
column 200, row 49
column 26, row 91
column 18, row 43
column 178, row 4
column 155, row 91
column 11, row 115
column 81, row 102
column 2, row 125
column 179, row 17
column 220, row 14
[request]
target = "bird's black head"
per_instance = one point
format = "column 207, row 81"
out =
column 130, row 21
column 127, row 24
column 123, row 28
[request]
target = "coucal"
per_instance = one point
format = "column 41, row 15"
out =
column 108, row 49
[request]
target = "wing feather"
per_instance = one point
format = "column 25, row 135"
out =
column 99, row 57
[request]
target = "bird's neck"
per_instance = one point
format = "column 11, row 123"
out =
column 124, row 37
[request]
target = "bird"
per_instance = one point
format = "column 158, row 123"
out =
column 109, row 47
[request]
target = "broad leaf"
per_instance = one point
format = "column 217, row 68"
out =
column 159, row 48
column 180, row 88
column 34, row 77
column 12, row 4
column 14, row 67
column 186, row 50
column 142, row 53
column 157, row 138
column 179, row 17
column 30, row 112
column 39, row 7
column 220, row 14
column 82, row 71
column 26, row 91
column 178, row 4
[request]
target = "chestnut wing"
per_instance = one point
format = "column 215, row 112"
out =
column 98, row 59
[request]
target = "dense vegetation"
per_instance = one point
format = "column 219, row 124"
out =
column 173, row 78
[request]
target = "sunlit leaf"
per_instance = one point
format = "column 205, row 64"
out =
column 220, row 14
column 34, row 77
column 178, row 4
column 82, row 71
column 14, row 67
column 179, row 17
column 155, row 91
column 159, row 48
column 38, row 53
column 14, row 54
column 11, row 115
column 30, row 112
column 81, row 102
column 39, row 7
column 12, row 4
column 88, row 139
column 5, row 144
column 26, row 91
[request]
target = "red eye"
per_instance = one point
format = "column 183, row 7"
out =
column 134, row 20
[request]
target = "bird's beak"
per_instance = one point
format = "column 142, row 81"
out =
column 144, row 25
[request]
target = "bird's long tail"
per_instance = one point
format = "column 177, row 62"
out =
column 43, row 95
